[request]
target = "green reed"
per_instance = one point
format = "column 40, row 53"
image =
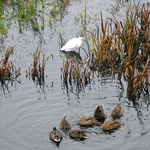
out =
column 57, row 10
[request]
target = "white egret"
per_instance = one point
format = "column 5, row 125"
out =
column 72, row 44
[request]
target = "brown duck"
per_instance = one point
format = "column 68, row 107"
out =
column 87, row 121
column 99, row 113
column 55, row 135
column 117, row 112
column 111, row 125
column 78, row 134
column 64, row 125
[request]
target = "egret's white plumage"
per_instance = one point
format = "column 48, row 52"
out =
column 72, row 44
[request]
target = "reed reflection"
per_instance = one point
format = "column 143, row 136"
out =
column 74, row 75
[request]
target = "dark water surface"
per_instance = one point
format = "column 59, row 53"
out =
column 28, row 113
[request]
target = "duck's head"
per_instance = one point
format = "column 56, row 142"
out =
column 99, row 113
column 114, row 115
column 54, row 128
column 117, row 112
column 65, row 125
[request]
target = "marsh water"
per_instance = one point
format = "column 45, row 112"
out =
column 28, row 111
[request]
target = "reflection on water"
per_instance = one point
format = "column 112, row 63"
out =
column 69, row 55
column 72, row 66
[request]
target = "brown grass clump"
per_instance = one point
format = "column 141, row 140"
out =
column 38, row 67
column 75, row 74
column 123, row 48
column 8, row 71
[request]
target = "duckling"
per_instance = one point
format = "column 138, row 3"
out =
column 99, row 113
column 87, row 121
column 65, row 125
column 111, row 125
column 55, row 135
column 117, row 112
column 78, row 134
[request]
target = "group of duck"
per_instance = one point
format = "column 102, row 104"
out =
column 87, row 121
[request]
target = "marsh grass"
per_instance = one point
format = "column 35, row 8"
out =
column 103, row 47
column 4, row 22
column 37, row 71
column 27, row 9
column 57, row 10
column 8, row 71
column 135, row 43
column 29, row 13
column 118, row 47
column 123, row 48
column 22, row 11
column 1, row 7
column 74, row 75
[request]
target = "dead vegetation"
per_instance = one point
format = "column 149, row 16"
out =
column 37, row 71
column 8, row 71
column 74, row 74
column 119, row 47
column 123, row 48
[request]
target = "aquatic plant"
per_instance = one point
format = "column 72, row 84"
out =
column 38, row 67
column 22, row 11
column 103, row 47
column 30, row 13
column 135, row 40
column 4, row 22
column 75, row 74
column 8, row 71
column 57, row 10
column 123, row 48
column 84, row 18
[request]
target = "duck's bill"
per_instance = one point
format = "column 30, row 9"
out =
column 57, row 140
column 85, row 137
